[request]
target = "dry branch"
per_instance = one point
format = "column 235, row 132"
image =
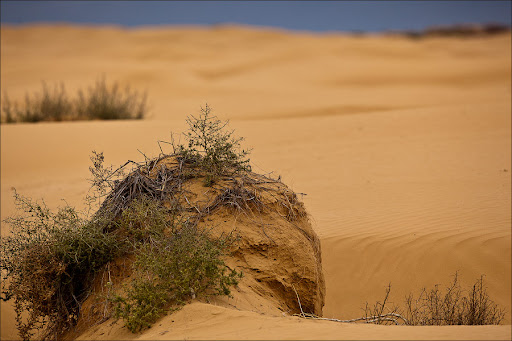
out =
column 389, row 317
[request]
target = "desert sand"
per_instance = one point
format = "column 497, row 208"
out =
column 402, row 146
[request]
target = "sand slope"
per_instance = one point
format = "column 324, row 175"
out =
column 402, row 146
column 201, row 322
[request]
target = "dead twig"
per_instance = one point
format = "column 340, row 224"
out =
column 389, row 317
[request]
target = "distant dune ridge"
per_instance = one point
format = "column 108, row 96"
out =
column 402, row 147
column 459, row 30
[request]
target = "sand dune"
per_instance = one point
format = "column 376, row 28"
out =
column 403, row 148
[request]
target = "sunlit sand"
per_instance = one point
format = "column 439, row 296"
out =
column 402, row 146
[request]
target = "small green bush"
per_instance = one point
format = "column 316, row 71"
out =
column 47, row 262
column 100, row 102
column 211, row 147
column 171, row 270
column 145, row 219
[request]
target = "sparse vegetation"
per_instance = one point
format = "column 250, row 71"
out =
column 211, row 147
column 437, row 307
column 453, row 306
column 50, row 105
column 171, row 270
column 100, row 102
column 433, row 307
column 49, row 260
column 103, row 102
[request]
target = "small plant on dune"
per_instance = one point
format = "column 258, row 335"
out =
column 380, row 313
column 451, row 306
column 103, row 102
column 47, row 262
column 432, row 307
column 212, row 147
column 170, row 270
column 144, row 219
column 50, row 105
column 100, row 102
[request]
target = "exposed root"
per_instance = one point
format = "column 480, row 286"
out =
column 163, row 179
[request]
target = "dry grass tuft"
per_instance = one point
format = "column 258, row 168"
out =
column 100, row 102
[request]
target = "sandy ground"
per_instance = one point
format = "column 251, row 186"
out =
column 402, row 146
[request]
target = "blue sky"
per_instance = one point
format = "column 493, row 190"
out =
column 316, row 16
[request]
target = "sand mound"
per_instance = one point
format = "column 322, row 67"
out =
column 278, row 253
column 277, row 250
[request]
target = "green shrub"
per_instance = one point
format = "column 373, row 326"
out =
column 170, row 270
column 144, row 219
column 47, row 262
column 212, row 147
